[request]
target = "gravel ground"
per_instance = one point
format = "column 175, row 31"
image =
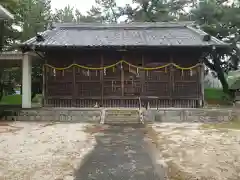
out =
column 40, row 151
column 121, row 153
column 196, row 153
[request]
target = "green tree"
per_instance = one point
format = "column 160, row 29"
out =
column 68, row 14
column 8, row 33
column 108, row 10
column 32, row 16
column 64, row 15
column 6, row 37
column 220, row 19
column 156, row 10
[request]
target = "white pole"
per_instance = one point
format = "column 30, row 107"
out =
column 26, row 81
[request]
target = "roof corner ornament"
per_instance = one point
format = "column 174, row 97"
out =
column 39, row 38
column 207, row 38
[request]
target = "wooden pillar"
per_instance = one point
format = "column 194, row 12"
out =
column 142, row 78
column 102, row 80
column 74, row 90
column 202, row 84
column 1, row 34
column 122, row 80
column 44, row 84
column 171, row 82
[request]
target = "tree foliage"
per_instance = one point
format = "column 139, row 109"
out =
column 220, row 18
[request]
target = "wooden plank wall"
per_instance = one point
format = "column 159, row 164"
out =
column 122, row 85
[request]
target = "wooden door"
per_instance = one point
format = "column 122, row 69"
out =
column 131, row 81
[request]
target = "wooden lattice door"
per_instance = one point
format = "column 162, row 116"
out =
column 131, row 81
column 112, row 82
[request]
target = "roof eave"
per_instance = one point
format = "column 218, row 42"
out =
column 27, row 47
column 7, row 15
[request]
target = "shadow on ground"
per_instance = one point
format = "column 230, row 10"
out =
column 120, row 154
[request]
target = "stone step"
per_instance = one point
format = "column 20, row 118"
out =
column 120, row 123
column 122, row 119
column 122, row 116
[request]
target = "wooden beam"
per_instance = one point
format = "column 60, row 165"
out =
column 46, row 84
column 142, row 78
column 122, row 79
column 102, row 80
column 43, row 85
column 202, row 83
column 74, row 90
column 171, row 81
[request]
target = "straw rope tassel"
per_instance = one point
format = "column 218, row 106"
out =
column 191, row 73
column 104, row 71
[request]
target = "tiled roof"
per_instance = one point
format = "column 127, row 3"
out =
column 136, row 34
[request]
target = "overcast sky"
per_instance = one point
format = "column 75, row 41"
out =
column 82, row 5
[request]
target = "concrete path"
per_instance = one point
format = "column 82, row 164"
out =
column 121, row 154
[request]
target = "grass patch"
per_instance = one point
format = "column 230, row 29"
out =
column 234, row 124
column 12, row 100
column 16, row 99
column 217, row 96
column 214, row 94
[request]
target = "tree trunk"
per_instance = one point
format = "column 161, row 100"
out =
column 1, row 48
column 220, row 73
column 223, row 81
column 216, row 67
column 1, row 35
column 1, row 86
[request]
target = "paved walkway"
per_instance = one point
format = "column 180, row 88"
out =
column 121, row 154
